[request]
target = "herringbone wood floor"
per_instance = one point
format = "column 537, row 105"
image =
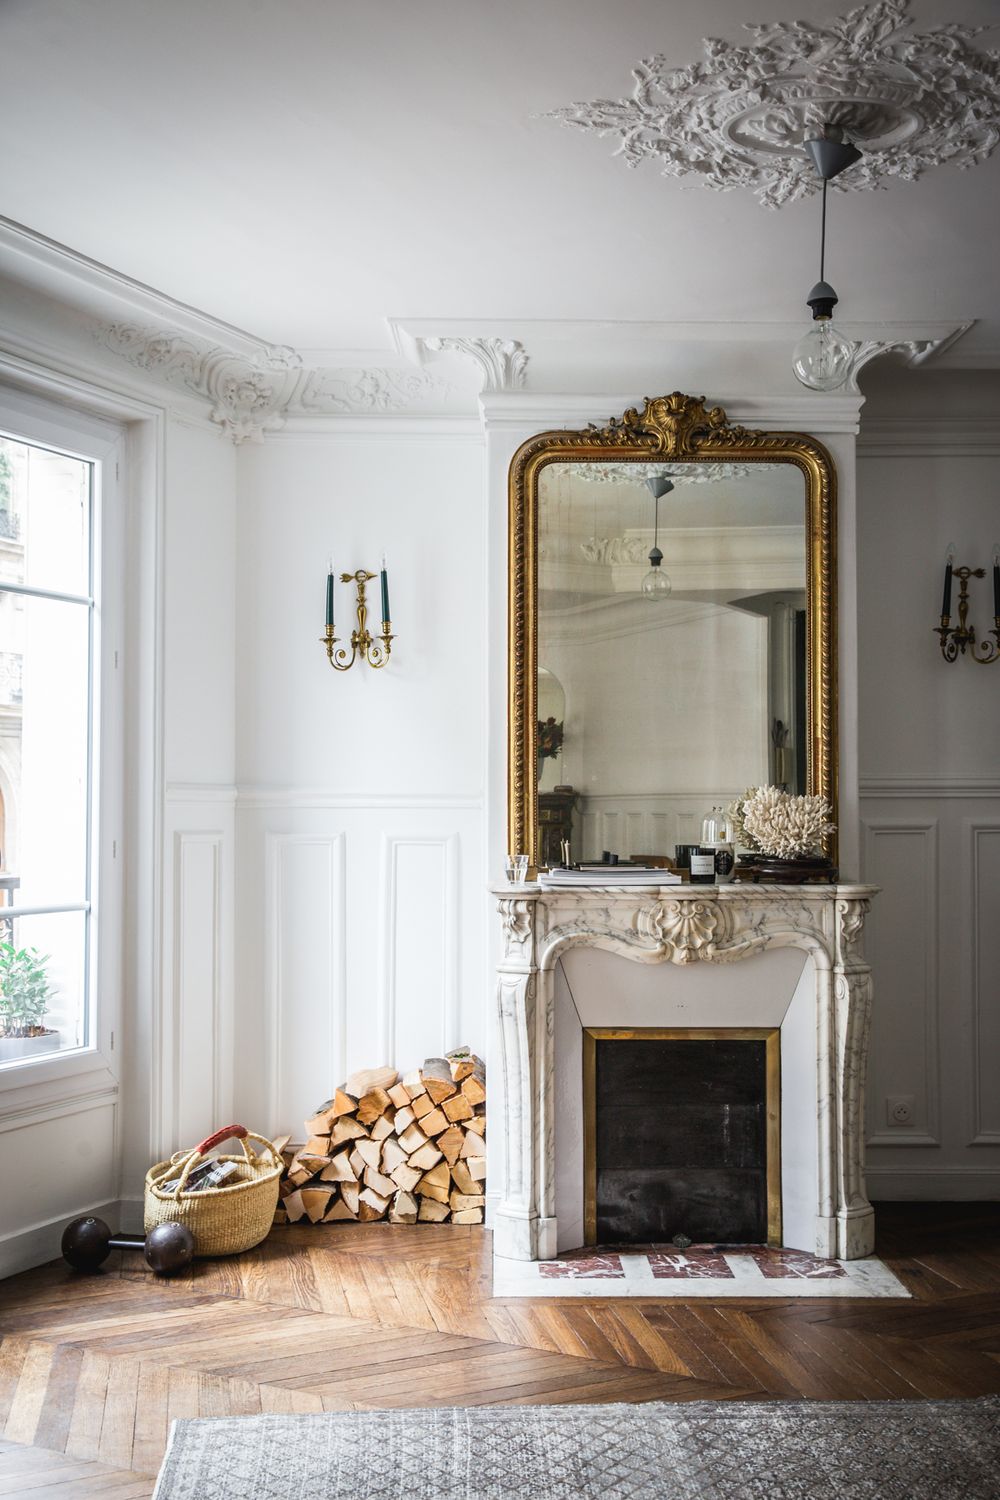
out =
column 93, row 1369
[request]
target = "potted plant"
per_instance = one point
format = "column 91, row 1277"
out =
column 25, row 991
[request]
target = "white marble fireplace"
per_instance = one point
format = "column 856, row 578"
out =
column 788, row 956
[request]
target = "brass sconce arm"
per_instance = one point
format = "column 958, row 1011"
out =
column 364, row 646
column 960, row 640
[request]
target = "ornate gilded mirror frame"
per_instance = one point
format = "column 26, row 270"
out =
column 678, row 429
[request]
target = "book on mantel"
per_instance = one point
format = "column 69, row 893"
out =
column 601, row 875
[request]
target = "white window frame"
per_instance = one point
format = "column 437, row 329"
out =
column 43, row 423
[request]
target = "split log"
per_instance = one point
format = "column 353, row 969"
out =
column 451, row 1143
column 412, row 1138
column 346, row 1129
column 404, row 1209
column 434, row 1123
column 433, row 1211
column 458, row 1108
column 372, row 1205
column 406, row 1177
column 340, row 1169
column 384, row 1185
column 441, row 1089
column 426, row 1156
column 315, row 1201
column 316, row 1145
column 339, row 1210
column 393, row 1155
column 370, row 1078
column 372, row 1105
column 370, row 1152
column 474, row 1091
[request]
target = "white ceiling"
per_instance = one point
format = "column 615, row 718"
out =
column 305, row 169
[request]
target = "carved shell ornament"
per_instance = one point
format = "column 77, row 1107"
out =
column 911, row 100
column 687, row 930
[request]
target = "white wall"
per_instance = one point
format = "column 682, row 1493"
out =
column 361, row 875
column 929, row 474
column 191, row 1081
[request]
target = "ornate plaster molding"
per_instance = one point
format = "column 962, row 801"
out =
column 502, row 363
column 914, row 352
column 911, row 100
column 639, row 473
column 614, row 551
column 251, row 396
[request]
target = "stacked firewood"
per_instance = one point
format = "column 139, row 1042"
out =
column 410, row 1149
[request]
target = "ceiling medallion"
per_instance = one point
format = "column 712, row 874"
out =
column 911, row 100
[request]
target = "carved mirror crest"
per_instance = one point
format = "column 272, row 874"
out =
column 645, row 690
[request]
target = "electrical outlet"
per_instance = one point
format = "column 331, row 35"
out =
column 899, row 1109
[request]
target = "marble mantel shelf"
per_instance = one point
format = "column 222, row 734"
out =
column 682, row 925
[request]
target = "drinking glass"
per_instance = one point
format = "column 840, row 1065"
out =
column 517, row 868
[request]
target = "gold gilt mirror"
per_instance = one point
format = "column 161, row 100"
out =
column 672, row 628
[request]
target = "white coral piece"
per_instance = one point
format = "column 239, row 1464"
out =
column 785, row 826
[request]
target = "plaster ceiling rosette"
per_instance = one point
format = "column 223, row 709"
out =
column 909, row 99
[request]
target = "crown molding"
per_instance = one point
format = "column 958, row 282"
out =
column 932, row 434
column 69, row 276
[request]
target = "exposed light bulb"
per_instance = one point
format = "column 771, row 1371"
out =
column 656, row 584
column 822, row 357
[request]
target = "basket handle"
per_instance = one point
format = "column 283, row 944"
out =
column 240, row 1132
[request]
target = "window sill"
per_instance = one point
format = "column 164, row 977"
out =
column 32, row 1083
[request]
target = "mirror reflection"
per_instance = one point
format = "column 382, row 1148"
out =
column 671, row 648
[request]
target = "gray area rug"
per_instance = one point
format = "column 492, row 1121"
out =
column 798, row 1450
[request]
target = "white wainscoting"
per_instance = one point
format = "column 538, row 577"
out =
column 305, row 972
column 629, row 823
column 982, row 897
column 57, row 1161
column 933, row 845
column 361, row 940
column 196, row 1031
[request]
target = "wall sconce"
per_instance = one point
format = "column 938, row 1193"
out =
column 961, row 639
column 364, row 646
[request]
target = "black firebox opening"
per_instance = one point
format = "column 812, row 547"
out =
column 681, row 1141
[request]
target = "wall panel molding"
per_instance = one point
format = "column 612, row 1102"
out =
column 983, row 889
column 954, row 1184
column 197, row 1000
column 922, row 836
column 415, row 927
column 305, row 969
column 930, row 784
column 323, row 797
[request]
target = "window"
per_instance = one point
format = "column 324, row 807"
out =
column 50, row 740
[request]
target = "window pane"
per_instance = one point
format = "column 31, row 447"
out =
column 44, row 518
column 44, row 736
column 42, row 984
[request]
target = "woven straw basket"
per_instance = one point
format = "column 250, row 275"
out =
column 223, row 1220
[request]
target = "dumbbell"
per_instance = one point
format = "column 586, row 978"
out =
column 87, row 1243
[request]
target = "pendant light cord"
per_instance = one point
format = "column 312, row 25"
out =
column 656, row 523
column 822, row 237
